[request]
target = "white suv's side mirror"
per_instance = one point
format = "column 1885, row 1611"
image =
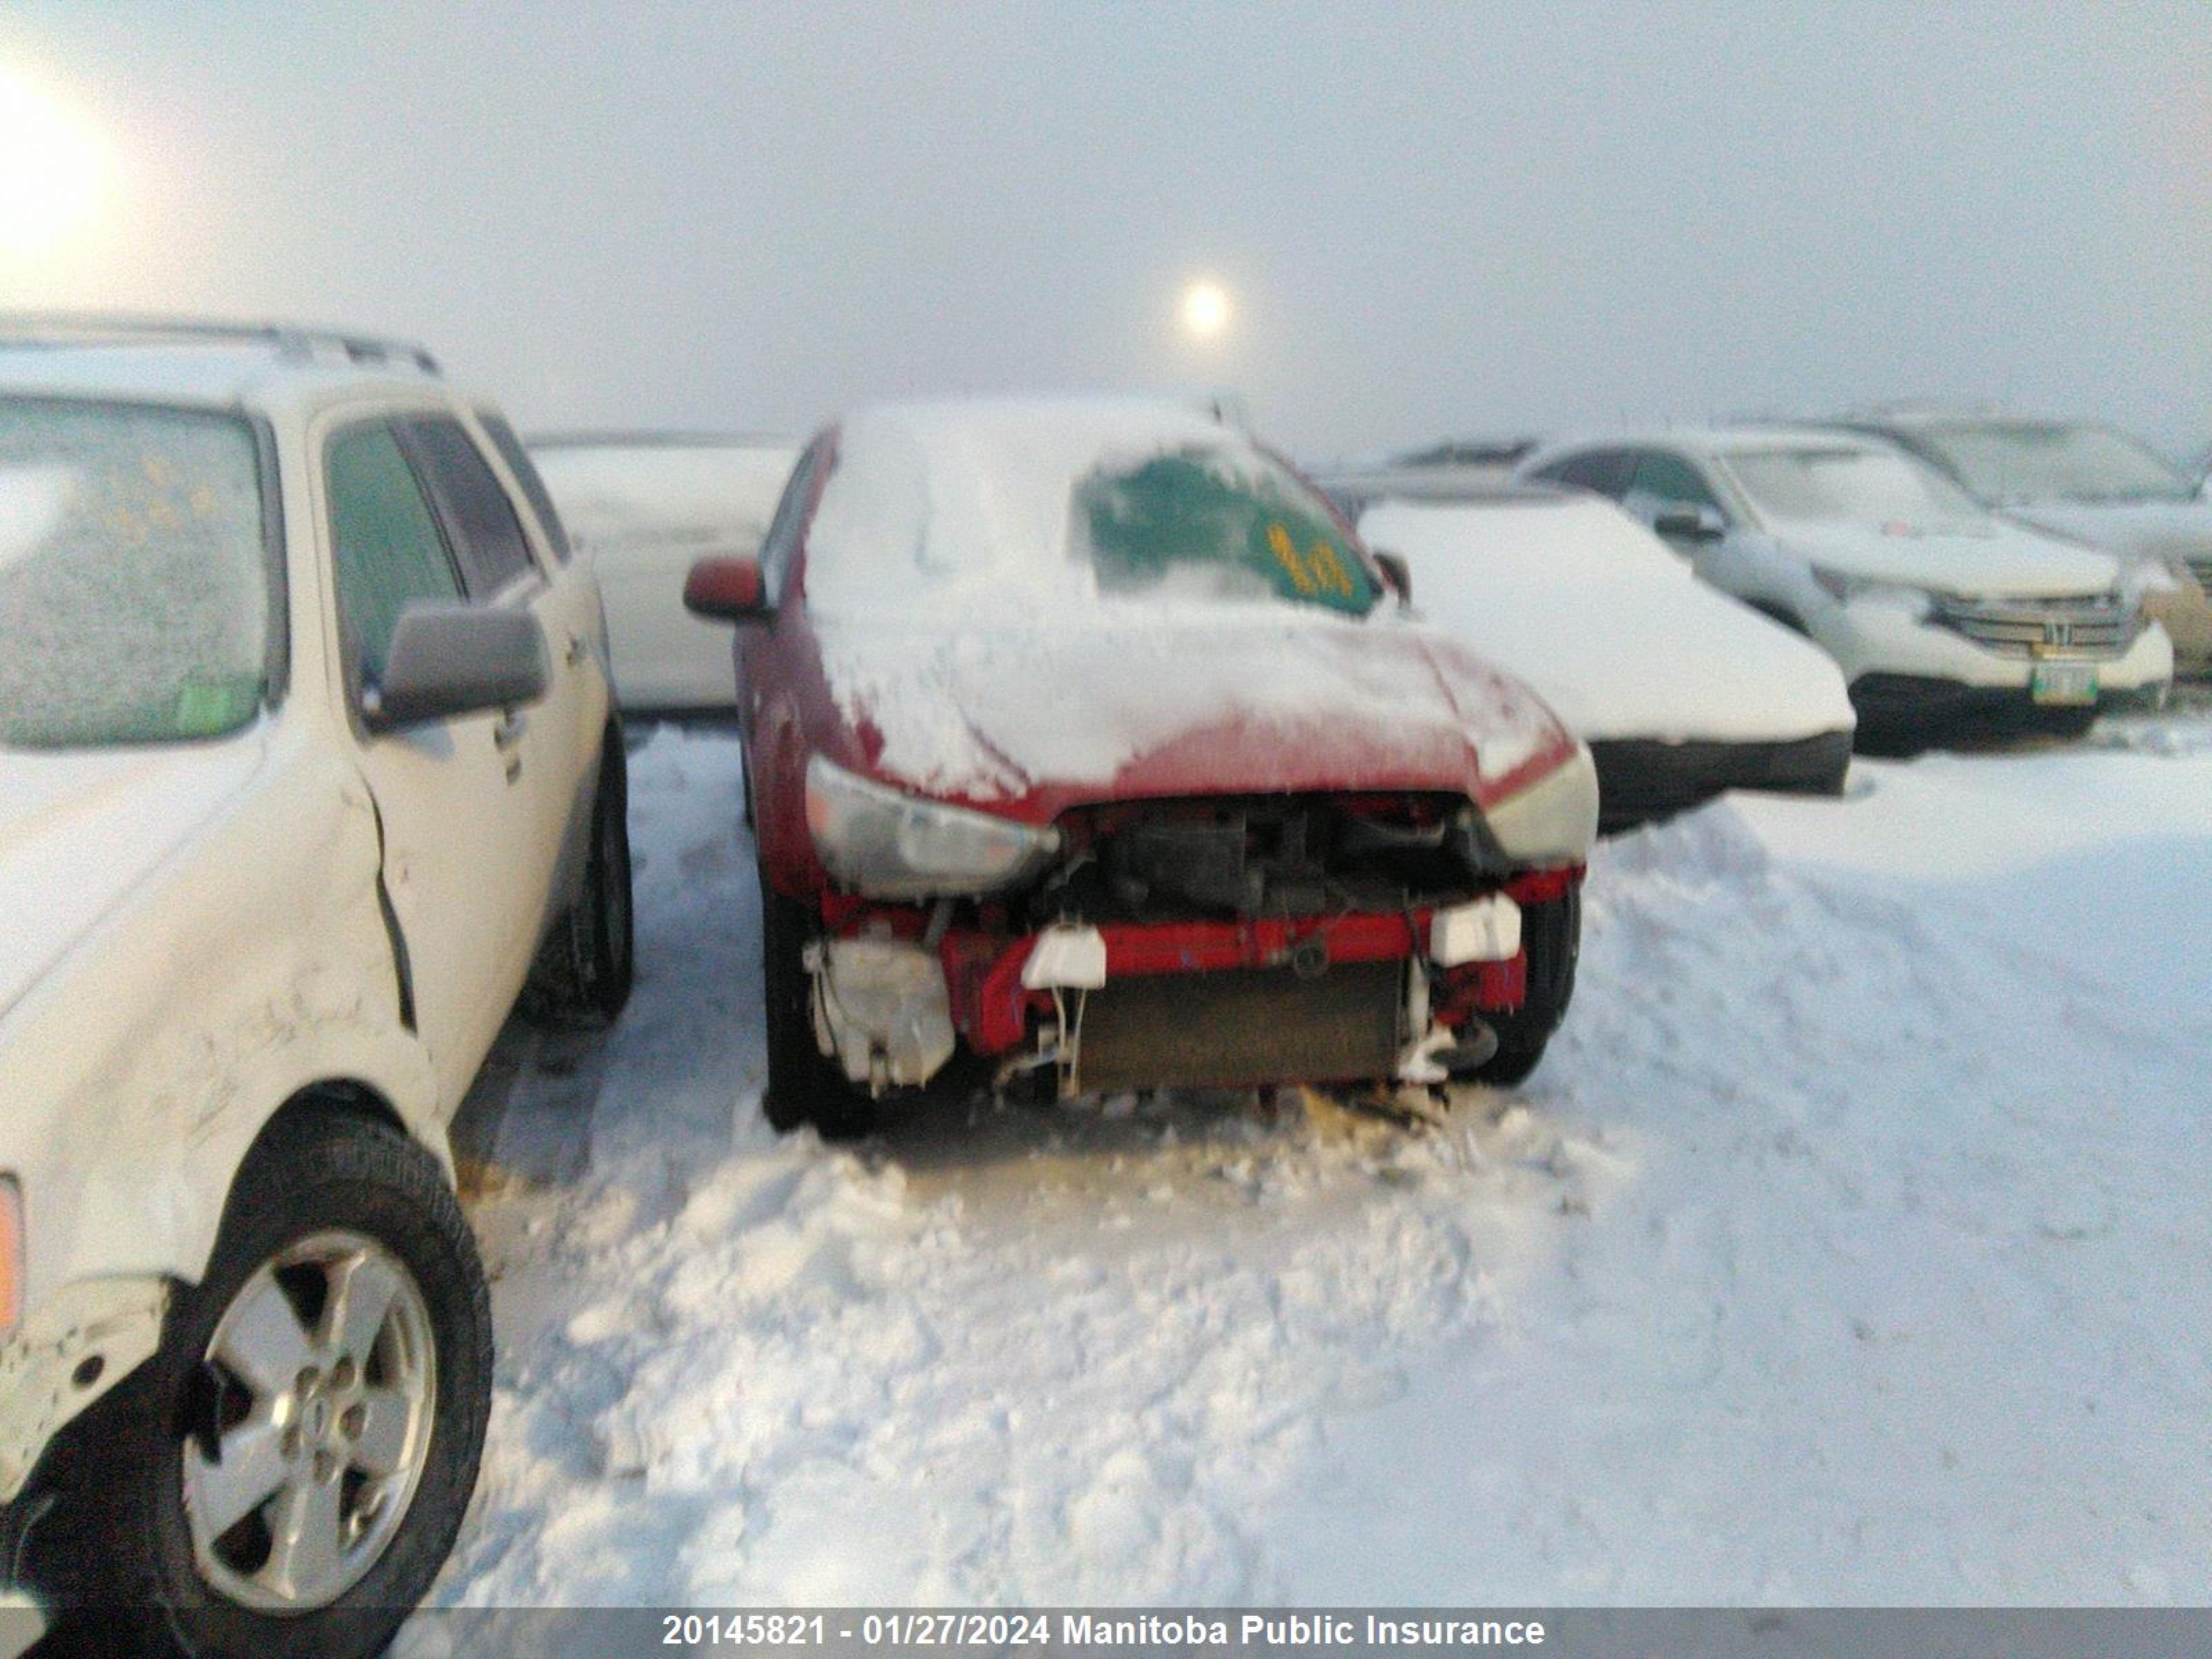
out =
column 448, row 660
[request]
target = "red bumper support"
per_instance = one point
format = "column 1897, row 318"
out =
column 991, row 1007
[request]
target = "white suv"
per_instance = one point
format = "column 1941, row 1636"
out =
column 1938, row 611
column 307, row 757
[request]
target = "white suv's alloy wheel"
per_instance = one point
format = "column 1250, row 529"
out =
column 324, row 1376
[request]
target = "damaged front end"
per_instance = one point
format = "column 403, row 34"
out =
column 1227, row 942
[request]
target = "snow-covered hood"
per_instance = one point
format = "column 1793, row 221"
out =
column 1136, row 702
column 2001, row 560
column 1613, row 630
column 78, row 831
column 2132, row 530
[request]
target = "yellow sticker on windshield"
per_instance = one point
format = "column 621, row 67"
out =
column 1287, row 554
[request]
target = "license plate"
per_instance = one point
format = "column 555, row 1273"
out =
column 2064, row 682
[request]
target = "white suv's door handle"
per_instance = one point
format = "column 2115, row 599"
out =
column 507, row 732
column 577, row 649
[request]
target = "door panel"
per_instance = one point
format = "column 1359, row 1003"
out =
column 450, row 815
column 556, row 738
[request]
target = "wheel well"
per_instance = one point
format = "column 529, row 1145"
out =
column 337, row 1096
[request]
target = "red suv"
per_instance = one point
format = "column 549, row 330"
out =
column 1088, row 749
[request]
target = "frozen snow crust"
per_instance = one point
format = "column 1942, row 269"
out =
column 1849, row 1248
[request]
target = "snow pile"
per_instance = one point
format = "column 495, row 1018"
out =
column 1846, row 1250
column 1591, row 609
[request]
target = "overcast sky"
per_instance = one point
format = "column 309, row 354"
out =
column 1432, row 220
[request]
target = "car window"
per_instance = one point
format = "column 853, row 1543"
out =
column 533, row 483
column 488, row 538
column 1222, row 525
column 1847, row 484
column 952, row 506
column 1604, row 471
column 2038, row 460
column 387, row 548
column 135, row 575
column 780, row 544
column 1664, row 482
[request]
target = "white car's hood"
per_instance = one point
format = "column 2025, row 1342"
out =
column 2009, row 560
column 1621, row 641
column 2133, row 530
column 79, row 829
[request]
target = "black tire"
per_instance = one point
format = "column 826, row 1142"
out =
column 803, row 1086
column 116, row 1555
column 1551, row 933
column 589, row 962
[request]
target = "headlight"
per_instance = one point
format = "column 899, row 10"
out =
column 1553, row 821
column 889, row 845
column 1847, row 588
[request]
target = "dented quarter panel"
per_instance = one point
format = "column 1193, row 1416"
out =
column 245, row 963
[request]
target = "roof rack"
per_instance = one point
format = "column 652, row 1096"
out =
column 287, row 339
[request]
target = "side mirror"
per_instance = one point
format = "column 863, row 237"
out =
column 448, row 660
column 726, row 590
column 1689, row 524
column 1396, row 573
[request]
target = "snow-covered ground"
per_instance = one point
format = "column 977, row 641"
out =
column 1853, row 1246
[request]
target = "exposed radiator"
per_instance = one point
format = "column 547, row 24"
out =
column 1242, row 1027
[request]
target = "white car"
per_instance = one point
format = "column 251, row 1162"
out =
column 307, row 755
column 1679, row 691
column 2088, row 481
column 644, row 508
column 1941, row 614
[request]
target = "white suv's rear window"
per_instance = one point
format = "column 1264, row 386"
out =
column 134, row 574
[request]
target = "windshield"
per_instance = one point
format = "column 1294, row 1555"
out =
column 2025, row 461
column 1848, row 485
column 956, row 507
column 1213, row 525
column 134, row 585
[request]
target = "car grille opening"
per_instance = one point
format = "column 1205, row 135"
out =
column 1241, row 1028
column 2093, row 626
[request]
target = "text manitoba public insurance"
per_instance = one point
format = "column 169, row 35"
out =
column 1296, row 1630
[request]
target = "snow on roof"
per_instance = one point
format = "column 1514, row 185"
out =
column 947, row 503
column 1719, row 439
column 209, row 374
